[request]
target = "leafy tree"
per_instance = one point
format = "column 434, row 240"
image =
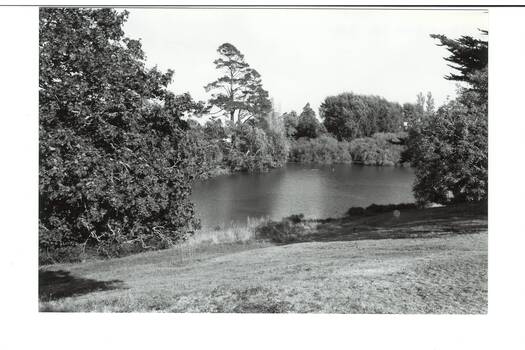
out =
column 250, row 149
column 467, row 55
column 450, row 150
column 307, row 124
column 348, row 116
column 115, row 162
column 420, row 102
column 410, row 113
column 240, row 94
column 450, row 154
column 290, row 120
column 343, row 115
column 257, row 147
column 415, row 113
column 384, row 116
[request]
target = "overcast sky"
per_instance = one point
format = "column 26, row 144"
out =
column 305, row 55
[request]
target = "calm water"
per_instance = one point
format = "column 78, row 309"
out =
column 315, row 191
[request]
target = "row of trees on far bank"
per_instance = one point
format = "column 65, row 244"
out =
column 369, row 129
column 118, row 154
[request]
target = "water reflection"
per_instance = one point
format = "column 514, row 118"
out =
column 295, row 194
column 316, row 191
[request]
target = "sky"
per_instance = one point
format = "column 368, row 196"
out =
column 305, row 55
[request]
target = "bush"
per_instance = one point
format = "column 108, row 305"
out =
column 288, row 230
column 380, row 149
column 374, row 209
column 258, row 146
column 324, row 149
column 116, row 165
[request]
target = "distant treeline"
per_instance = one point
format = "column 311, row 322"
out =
column 349, row 116
column 362, row 129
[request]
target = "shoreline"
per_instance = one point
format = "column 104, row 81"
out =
column 222, row 171
column 372, row 222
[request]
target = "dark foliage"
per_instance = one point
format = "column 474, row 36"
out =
column 307, row 124
column 467, row 55
column 288, row 230
column 374, row 209
column 116, row 165
column 348, row 116
column 450, row 155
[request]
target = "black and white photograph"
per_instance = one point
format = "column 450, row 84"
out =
column 216, row 165
column 263, row 160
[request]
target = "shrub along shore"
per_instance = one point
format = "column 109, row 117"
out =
column 381, row 149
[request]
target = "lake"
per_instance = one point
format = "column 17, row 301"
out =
column 317, row 191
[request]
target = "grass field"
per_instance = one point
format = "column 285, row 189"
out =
column 424, row 261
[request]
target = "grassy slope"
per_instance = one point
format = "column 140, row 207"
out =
column 339, row 269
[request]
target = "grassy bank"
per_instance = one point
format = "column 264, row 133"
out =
column 347, row 265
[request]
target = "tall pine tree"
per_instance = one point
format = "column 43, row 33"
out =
column 239, row 93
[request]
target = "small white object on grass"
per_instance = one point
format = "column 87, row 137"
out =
column 397, row 214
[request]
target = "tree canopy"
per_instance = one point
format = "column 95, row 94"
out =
column 307, row 124
column 348, row 116
column 115, row 164
column 239, row 93
column 467, row 55
column 449, row 151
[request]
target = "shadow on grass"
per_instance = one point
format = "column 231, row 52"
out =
column 406, row 230
column 53, row 285
column 410, row 223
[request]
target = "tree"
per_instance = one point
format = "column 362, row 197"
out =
column 415, row 113
column 308, row 125
column 348, row 116
column 290, row 121
column 410, row 114
column 240, row 95
column 116, row 165
column 449, row 151
column 213, row 130
column 429, row 106
column 467, row 55
column 420, row 103
column 450, row 155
